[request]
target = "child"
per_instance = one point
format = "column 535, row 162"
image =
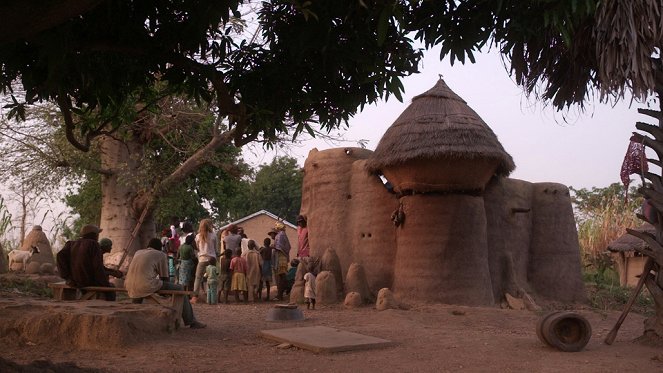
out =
column 253, row 270
column 290, row 275
column 212, row 276
column 309, row 287
column 266, row 254
column 226, row 275
column 238, row 284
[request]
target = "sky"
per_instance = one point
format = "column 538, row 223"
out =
column 578, row 149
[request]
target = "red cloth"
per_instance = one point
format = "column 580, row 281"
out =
column 635, row 162
column 302, row 236
column 174, row 245
column 238, row 265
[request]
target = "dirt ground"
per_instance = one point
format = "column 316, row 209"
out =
column 428, row 338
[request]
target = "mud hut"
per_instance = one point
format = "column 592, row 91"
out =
column 629, row 262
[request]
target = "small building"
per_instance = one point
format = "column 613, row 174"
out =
column 259, row 223
column 629, row 262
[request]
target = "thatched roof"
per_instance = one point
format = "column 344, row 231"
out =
column 628, row 243
column 439, row 124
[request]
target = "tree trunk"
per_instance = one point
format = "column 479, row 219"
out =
column 123, row 198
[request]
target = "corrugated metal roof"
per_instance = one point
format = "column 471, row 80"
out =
column 261, row 212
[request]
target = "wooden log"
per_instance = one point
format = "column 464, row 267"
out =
column 649, row 264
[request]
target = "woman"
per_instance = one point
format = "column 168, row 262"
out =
column 206, row 244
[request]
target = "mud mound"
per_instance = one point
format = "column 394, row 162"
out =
column 85, row 325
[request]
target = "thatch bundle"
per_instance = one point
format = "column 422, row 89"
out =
column 555, row 270
column 442, row 250
column 428, row 147
column 373, row 233
column 326, row 198
column 508, row 204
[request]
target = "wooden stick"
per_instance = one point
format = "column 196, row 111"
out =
column 649, row 264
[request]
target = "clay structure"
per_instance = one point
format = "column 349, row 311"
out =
column 432, row 214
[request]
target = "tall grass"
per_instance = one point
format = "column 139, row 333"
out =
column 602, row 216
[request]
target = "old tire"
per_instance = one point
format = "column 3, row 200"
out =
column 565, row 331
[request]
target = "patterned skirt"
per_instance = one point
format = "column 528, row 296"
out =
column 186, row 272
column 239, row 282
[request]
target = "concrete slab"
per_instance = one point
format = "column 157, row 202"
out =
column 324, row 339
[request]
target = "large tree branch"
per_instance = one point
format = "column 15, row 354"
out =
column 69, row 125
column 193, row 163
column 236, row 112
column 26, row 18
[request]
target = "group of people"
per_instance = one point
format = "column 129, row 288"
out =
column 80, row 263
column 224, row 263
column 228, row 262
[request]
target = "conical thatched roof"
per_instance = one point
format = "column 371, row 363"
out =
column 628, row 243
column 439, row 124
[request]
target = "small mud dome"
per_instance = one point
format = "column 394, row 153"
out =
column 90, row 325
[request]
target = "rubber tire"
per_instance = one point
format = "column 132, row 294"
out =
column 566, row 331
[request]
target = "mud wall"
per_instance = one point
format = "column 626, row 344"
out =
column 554, row 267
column 442, row 250
column 508, row 204
column 327, row 200
column 373, row 232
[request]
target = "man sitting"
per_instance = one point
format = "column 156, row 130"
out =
column 148, row 273
column 81, row 263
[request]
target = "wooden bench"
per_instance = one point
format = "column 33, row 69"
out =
column 172, row 298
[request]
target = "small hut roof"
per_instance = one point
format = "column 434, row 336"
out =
column 439, row 124
column 628, row 243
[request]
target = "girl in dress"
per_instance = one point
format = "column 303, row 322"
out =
column 238, row 267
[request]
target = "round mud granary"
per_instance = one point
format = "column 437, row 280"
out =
column 566, row 331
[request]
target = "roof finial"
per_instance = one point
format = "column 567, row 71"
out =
column 440, row 75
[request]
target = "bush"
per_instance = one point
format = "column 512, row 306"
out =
column 605, row 293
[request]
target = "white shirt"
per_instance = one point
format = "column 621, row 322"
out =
column 206, row 249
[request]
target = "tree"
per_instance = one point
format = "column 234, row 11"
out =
column 602, row 215
column 111, row 66
column 276, row 187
